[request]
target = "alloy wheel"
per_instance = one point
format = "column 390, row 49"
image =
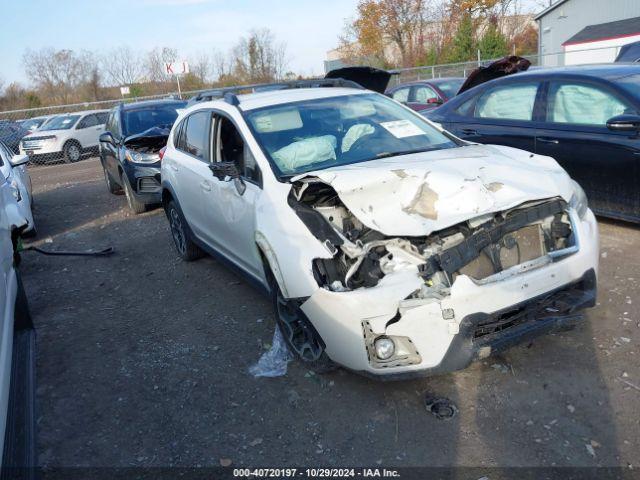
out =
column 74, row 153
column 177, row 231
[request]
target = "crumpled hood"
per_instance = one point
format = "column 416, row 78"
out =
column 153, row 139
column 415, row 195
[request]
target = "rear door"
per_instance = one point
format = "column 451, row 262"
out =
column 190, row 168
column 86, row 131
column 603, row 162
column 504, row 113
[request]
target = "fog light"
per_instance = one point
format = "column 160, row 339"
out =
column 385, row 348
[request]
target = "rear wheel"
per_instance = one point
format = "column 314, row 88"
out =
column 135, row 205
column 187, row 249
column 301, row 337
column 72, row 152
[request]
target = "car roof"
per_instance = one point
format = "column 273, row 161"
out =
column 81, row 112
column 445, row 79
column 152, row 103
column 606, row 71
column 251, row 101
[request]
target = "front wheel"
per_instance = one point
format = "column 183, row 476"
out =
column 111, row 185
column 301, row 337
column 135, row 205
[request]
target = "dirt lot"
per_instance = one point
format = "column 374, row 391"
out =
column 142, row 361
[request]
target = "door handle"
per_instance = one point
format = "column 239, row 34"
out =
column 548, row 140
column 173, row 167
column 206, row 186
column 469, row 131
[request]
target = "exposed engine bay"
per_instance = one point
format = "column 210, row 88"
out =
column 482, row 248
column 149, row 141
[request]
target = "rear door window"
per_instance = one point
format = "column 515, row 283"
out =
column 88, row 121
column 508, row 102
column 583, row 104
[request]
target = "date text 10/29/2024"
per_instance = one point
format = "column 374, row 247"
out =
column 315, row 473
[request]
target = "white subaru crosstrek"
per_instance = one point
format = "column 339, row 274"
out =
column 389, row 246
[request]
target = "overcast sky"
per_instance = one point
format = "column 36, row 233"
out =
column 309, row 28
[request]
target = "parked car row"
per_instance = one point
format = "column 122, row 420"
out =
column 387, row 242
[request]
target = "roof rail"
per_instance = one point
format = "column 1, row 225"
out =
column 230, row 94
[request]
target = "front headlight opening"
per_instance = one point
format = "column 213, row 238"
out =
column 138, row 157
column 579, row 200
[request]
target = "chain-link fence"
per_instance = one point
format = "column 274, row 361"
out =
column 570, row 56
column 24, row 130
column 15, row 125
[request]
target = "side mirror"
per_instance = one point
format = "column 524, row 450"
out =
column 18, row 160
column 224, row 171
column 107, row 137
column 434, row 101
column 624, row 123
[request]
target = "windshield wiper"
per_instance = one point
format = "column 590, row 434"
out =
column 403, row 152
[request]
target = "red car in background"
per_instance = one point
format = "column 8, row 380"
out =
column 426, row 94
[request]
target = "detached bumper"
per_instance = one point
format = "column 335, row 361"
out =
column 474, row 321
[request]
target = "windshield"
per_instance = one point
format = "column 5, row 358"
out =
column 450, row 87
column 32, row 124
column 63, row 122
column 315, row 134
column 142, row 119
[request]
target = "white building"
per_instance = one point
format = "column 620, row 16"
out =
column 570, row 25
column 601, row 43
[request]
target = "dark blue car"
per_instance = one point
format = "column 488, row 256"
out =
column 587, row 118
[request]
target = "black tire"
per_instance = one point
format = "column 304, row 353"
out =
column 72, row 152
column 31, row 233
column 298, row 332
column 22, row 315
column 135, row 205
column 112, row 186
column 185, row 246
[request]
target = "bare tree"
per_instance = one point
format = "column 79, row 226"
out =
column 201, row 67
column 58, row 73
column 258, row 57
column 122, row 66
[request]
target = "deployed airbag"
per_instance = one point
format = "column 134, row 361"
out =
column 306, row 152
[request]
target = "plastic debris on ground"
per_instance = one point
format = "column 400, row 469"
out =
column 441, row 408
column 273, row 362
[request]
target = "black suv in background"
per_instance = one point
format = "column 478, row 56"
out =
column 130, row 149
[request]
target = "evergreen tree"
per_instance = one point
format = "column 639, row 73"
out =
column 493, row 43
column 463, row 46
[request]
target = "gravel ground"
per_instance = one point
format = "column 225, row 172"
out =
column 142, row 361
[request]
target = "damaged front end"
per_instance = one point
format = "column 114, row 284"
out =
column 413, row 295
column 529, row 235
column 143, row 153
